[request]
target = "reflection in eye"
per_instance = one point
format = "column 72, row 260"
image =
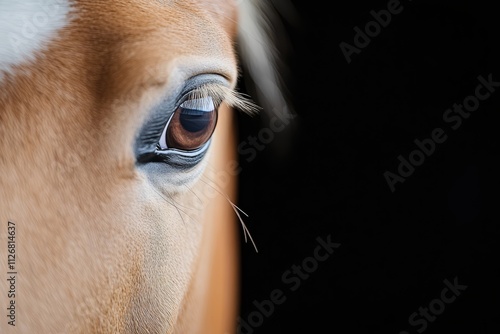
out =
column 191, row 125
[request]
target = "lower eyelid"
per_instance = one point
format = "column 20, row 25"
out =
column 176, row 158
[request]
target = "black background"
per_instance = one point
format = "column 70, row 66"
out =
column 353, row 122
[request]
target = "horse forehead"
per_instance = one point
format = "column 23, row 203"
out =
column 186, row 27
column 28, row 28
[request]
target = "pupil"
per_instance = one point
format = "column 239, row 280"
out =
column 194, row 120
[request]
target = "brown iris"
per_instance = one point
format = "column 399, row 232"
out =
column 192, row 124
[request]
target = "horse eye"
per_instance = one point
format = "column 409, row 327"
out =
column 191, row 125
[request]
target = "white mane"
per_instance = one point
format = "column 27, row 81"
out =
column 257, row 37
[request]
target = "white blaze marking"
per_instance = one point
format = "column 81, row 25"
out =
column 27, row 27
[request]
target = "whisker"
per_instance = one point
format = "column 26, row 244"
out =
column 245, row 228
column 235, row 206
column 237, row 210
column 175, row 206
column 192, row 191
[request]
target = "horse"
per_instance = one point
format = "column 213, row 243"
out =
column 118, row 163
